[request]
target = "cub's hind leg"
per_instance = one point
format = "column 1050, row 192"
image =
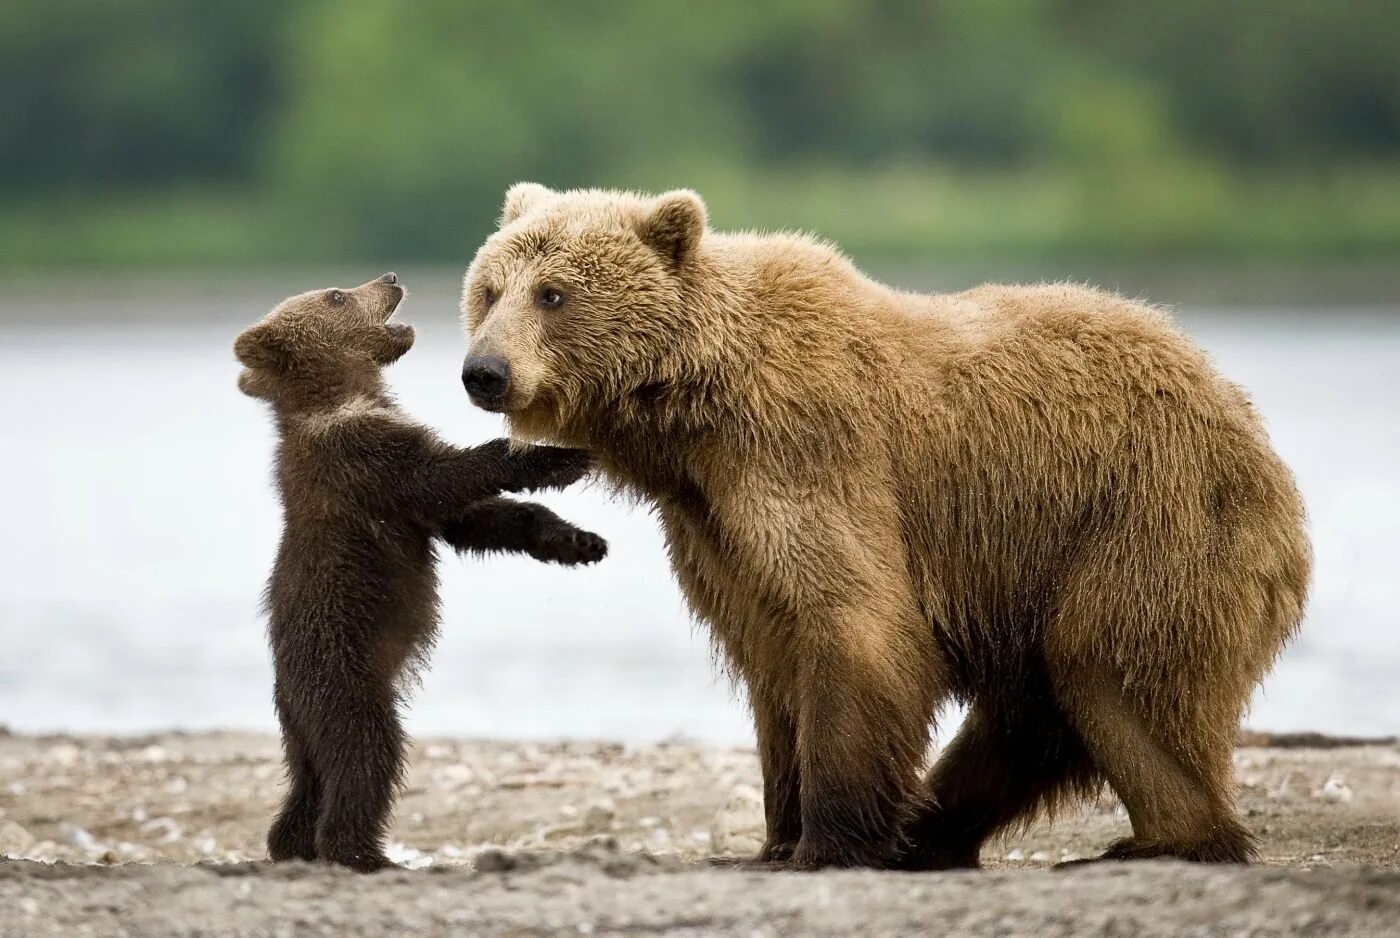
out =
column 293, row 832
column 359, row 756
column 1004, row 767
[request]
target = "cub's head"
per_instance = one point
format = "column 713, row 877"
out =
column 321, row 346
column 579, row 300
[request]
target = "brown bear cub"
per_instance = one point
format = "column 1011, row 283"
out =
column 352, row 600
column 1041, row 501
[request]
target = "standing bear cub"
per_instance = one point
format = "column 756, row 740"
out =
column 352, row 600
column 1040, row 501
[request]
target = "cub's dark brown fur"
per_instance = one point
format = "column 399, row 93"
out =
column 352, row 600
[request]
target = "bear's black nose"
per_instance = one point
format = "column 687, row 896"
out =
column 485, row 377
column 390, row 277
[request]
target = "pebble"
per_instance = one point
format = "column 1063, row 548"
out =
column 79, row 837
column 14, row 839
column 599, row 817
column 1336, row 790
column 406, row 856
column 64, row 753
column 737, row 830
column 167, row 828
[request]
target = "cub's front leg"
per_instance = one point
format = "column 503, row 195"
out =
column 512, row 467
column 503, row 525
column 433, row 481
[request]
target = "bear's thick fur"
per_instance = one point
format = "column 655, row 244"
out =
column 352, row 600
column 1041, row 501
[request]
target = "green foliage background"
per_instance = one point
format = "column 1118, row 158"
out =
column 163, row 132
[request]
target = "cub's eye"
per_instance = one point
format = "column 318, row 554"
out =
column 337, row 298
column 489, row 296
column 549, row 298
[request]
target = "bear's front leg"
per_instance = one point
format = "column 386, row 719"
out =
column 436, row 482
column 845, row 650
column 777, row 753
column 866, row 707
column 506, row 526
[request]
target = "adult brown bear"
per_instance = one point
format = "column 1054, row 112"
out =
column 1041, row 501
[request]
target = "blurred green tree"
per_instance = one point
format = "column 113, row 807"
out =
column 312, row 129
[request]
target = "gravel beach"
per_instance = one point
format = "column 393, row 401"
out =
column 162, row 835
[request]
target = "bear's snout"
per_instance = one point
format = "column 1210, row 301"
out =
column 486, row 378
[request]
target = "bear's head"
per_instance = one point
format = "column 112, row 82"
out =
column 323, row 346
column 579, row 300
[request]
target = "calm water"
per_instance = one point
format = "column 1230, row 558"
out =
column 141, row 523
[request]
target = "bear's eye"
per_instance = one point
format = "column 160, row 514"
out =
column 549, row 298
column 337, row 298
column 489, row 295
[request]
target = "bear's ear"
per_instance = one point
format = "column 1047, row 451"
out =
column 674, row 225
column 520, row 198
column 262, row 348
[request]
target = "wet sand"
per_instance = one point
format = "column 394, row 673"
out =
column 162, row 835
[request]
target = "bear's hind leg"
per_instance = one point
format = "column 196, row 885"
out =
column 1176, row 785
column 360, row 759
column 1000, row 771
column 293, row 833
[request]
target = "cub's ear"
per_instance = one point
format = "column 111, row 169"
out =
column 520, row 198
column 674, row 225
column 262, row 348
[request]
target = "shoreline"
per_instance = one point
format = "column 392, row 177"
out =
column 162, row 834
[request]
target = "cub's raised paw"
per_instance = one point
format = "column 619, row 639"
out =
column 570, row 546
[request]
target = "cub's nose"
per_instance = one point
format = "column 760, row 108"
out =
column 390, row 277
column 485, row 377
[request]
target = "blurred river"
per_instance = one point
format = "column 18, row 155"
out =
column 142, row 523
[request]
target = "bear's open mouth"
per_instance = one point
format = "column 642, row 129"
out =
column 396, row 296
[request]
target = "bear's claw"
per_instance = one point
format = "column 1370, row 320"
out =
column 570, row 546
